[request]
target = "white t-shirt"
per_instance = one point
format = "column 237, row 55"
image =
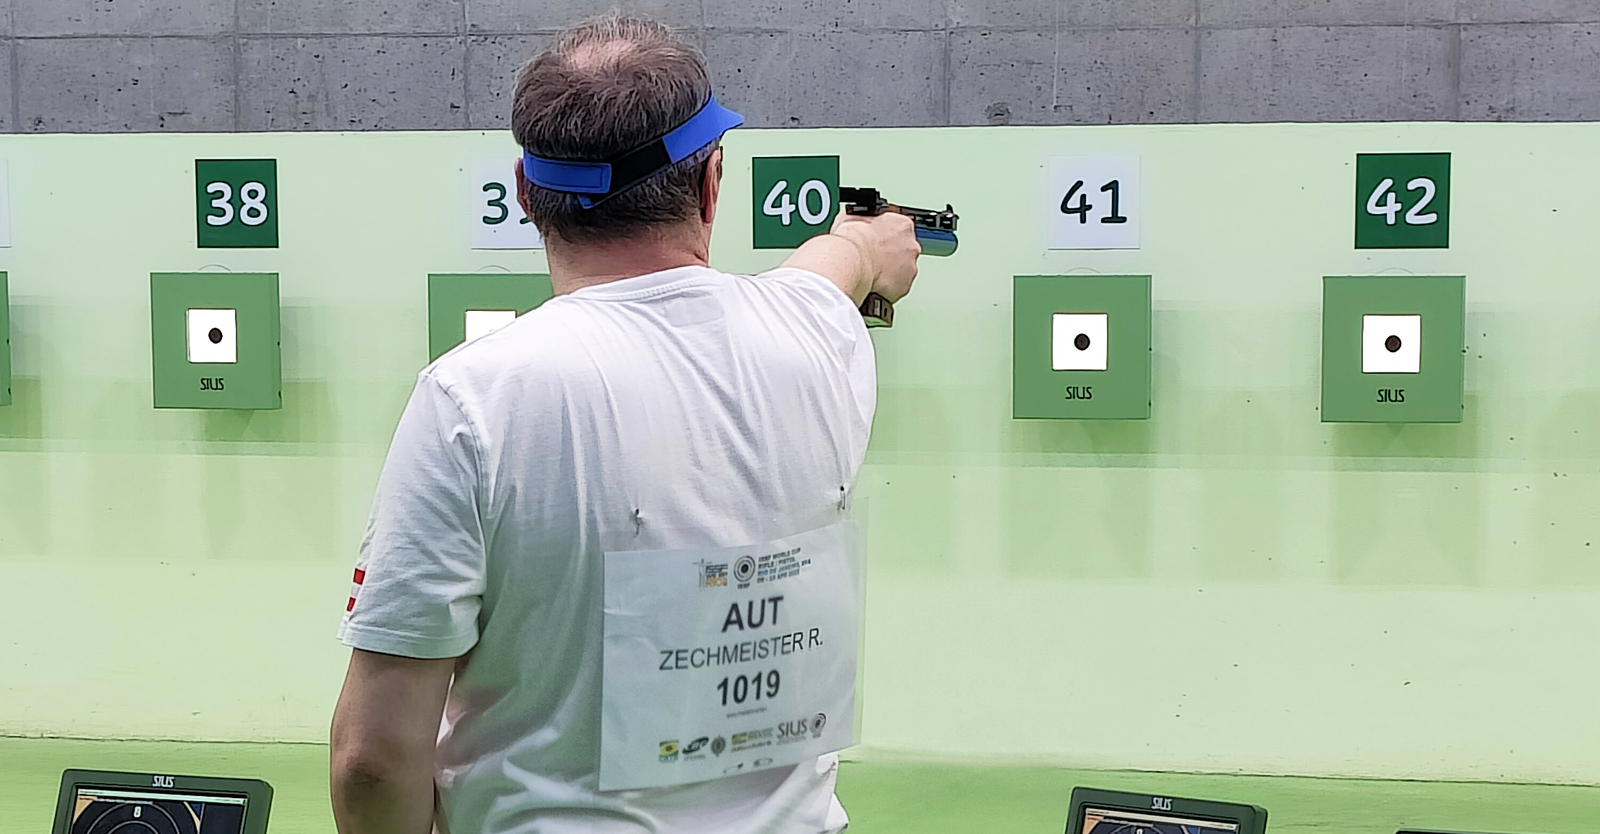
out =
column 686, row 408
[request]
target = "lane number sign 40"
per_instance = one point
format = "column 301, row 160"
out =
column 496, row 218
column 236, row 203
column 1094, row 202
column 1403, row 201
column 795, row 199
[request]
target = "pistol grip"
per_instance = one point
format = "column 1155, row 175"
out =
column 878, row 311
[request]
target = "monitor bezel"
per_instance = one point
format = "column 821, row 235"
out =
column 1251, row 819
column 257, row 793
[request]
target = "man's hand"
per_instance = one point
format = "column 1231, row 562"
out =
column 864, row 254
column 890, row 241
column 384, row 731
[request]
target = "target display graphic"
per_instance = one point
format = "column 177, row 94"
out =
column 106, row 811
column 213, row 336
column 1097, row 811
column 1078, row 341
column 481, row 323
column 1391, row 344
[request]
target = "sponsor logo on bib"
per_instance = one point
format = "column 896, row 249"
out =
column 712, row 574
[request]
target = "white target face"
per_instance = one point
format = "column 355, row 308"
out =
column 1391, row 344
column 1078, row 341
column 213, row 337
column 481, row 323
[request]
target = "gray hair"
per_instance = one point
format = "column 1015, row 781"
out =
column 604, row 88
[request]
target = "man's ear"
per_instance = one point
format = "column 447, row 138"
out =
column 711, row 187
column 522, row 189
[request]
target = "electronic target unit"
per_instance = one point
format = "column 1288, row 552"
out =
column 462, row 308
column 214, row 341
column 102, row 802
column 1080, row 347
column 1115, row 812
column 1392, row 349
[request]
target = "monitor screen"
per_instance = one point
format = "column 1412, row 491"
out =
column 141, row 811
column 1104, row 821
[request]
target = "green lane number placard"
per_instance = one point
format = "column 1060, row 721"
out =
column 796, row 199
column 1403, row 201
column 236, row 203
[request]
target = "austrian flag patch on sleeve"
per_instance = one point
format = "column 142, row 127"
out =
column 355, row 589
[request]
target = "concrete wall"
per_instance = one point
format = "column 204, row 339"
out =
column 225, row 65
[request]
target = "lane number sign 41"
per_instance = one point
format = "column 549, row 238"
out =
column 495, row 215
column 236, row 203
column 1094, row 202
column 796, row 198
column 1403, row 201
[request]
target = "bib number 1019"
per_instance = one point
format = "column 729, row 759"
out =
column 738, row 689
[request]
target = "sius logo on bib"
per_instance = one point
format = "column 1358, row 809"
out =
column 794, row 730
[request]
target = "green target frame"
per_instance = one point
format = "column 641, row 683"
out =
column 214, row 341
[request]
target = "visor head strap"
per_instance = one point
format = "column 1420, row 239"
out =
column 595, row 182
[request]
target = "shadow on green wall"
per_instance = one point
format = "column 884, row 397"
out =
column 1398, row 520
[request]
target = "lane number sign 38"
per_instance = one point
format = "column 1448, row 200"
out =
column 236, row 203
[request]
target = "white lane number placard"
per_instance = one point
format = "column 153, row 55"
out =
column 1094, row 202
column 496, row 217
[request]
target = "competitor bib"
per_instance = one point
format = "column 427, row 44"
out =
column 729, row 660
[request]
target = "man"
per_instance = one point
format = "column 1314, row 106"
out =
column 653, row 406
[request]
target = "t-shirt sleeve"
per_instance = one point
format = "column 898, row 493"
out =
column 835, row 320
column 419, row 579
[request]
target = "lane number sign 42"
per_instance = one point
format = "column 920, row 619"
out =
column 796, row 198
column 1094, row 202
column 1403, row 201
column 495, row 216
column 236, row 203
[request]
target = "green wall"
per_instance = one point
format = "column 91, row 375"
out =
column 1230, row 586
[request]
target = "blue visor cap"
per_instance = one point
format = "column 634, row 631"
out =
column 596, row 182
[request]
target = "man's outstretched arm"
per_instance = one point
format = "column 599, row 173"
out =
column 384, row 731
column 864, row 254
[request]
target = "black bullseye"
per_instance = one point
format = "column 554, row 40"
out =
column 216, row 336
column 1392, row 344
column 1082, row 342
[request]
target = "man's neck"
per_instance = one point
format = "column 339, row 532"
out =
column 575, row 266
